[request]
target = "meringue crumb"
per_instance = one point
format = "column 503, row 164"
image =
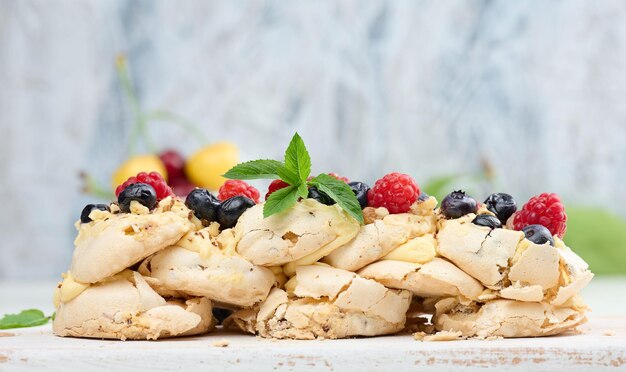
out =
column 493, row 338
column 6, row 334
column 609, row 332
column 221, row 343
column 440, row 336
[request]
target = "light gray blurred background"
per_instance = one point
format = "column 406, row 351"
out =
column 430, row 88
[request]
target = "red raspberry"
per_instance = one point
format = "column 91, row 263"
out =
column 153, row 179
column 232, row 188
column 545, row 209
column 334, row 175
column 395, row 191
column 274, row 186
column 344, row 179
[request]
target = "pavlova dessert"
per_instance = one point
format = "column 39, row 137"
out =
column 321, row 257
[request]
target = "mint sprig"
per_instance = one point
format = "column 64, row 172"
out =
column 340, row 192
column 255, row 169
column 26, row 318
column 297, row 158
column 280, row 200
column 295, row 171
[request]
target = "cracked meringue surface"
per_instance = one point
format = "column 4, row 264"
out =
column 508, row 318
column 300, row 236
column 196, row 266
column 512, row 266
column 383, row 234
column 115, row 241
column 126, row 307
column 325, row 302
column 437, row 278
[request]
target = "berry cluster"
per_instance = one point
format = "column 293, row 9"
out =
column 541, row 218
column 148, row 188
column 546, row 210
column 154, row 179
column 232, row 188
column 226, row 212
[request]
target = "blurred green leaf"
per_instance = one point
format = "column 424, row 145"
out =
column 440, row 186
column 26, row 318
column 599, row 237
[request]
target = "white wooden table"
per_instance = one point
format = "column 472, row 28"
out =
column 37, row 348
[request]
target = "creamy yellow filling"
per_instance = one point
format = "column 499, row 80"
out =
column 290, row 286
column 417, row 250
column 68, row 290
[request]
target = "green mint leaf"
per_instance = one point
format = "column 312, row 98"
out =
column 289, row 176
column 280, row 200
column 26, row 318
column 340, row 192
column 255, row 169
column 303, row 191
column 297, row 158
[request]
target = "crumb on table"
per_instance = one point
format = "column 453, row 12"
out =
column 609, row 332
column 221, row 343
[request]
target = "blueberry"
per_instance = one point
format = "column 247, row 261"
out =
column 360, row 190
column 538, row 234
column 141, row 192
column 221, row 314
column 503, row 205
column 487, row 220
column 457, row 204
column 231, row 209
column 316, row 194
column 203, row 204
column 84, row 215
column 423, row 196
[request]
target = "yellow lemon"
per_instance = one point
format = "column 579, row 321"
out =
column 206, row 166
column 137, row 164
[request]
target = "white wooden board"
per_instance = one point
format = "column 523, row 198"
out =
column 37, row 348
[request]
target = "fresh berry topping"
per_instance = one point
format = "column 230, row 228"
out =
column 232, row 188
column 203, row 204
column 84, row 215
column 335, row 175
column 538, row 234
column 141, row 192
column 395, row 191
column 174, row 164
column 231, row 209
column 153, row 179
column 275, row 186
column 321, row 197
column 457, row 204
column 503, row 205
column 545, row 209
column 360, row 190
column 181, row 186
column 423, row 196
column 487, row 220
